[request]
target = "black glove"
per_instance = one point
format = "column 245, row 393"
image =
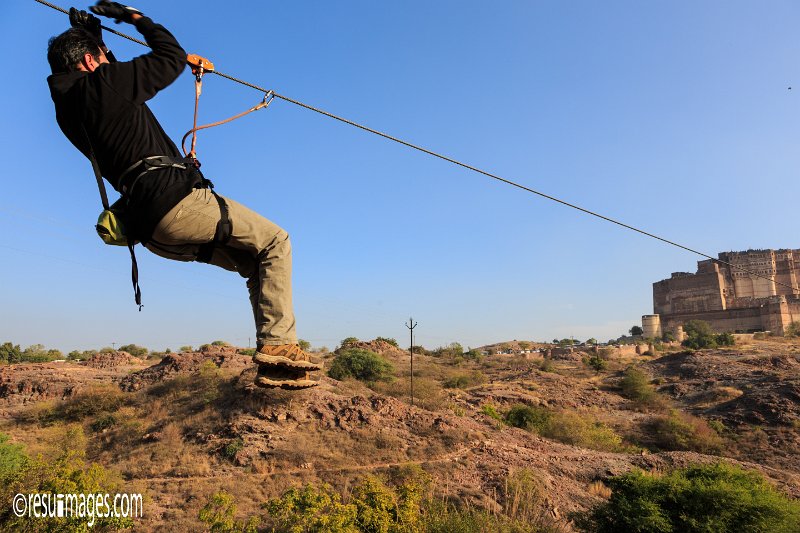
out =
column 87, row 21
column 115, row 10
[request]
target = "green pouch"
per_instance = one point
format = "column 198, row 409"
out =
column 110, row 227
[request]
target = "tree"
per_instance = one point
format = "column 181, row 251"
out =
column 636, row 331
column 595, row 362
column 699, row 335
column 10, row 353
column 304, row 345
column 134, row 350
column 505, row 348
column 524, row 345
column 592, row 341
column 387, row 340
column 349, row 341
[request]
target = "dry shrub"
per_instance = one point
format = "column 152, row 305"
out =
column 582, row 430
column 565, row 426
column 428, row 392
column 599, row 489
column 717, row 395
column 105, row 398
column 464, row 381
column 682, row 431
column 523, row 496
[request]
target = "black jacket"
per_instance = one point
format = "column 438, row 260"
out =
column 110, row 102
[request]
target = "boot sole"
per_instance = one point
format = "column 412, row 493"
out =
column 294, row 384
column 279, row 360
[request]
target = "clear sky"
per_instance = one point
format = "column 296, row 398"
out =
column 676, row 117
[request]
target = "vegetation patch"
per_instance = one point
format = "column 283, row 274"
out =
column 636, row 386
column 565, row 426
column 700, row 335
column 720, row 498
column 362, row 365
column 682, row 431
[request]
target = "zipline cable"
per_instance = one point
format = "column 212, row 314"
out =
column 456, row 162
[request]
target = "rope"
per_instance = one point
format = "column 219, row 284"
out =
column 459, row 163
column 264, row 103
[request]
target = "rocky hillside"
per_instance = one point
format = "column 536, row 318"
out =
column 193, row 423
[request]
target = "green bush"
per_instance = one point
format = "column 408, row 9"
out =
column 717, row 498
column 75, row 355
column 491, row 411
column 66, row 473
column 12, row 460
column 387, row 340
column 565, row 426
column 582, row 430
column 220, row 343
column 700, row 335
column 10, row 353
column 103, row 422
column 304, row 345
column 134, row 350
column 232, row 448
column 373, row 506
column 595, row 362
column 529, row 418
column 636, row 387
column 220, row 515
column 362, row 365
column 725, row 339
column 547, row 365
column 349, row 342
column 186, row 348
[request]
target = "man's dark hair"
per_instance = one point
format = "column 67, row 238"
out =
column 65, row 51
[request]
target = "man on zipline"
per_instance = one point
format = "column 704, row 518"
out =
column 170, row 207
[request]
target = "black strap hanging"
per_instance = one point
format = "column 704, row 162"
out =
column 137, row 292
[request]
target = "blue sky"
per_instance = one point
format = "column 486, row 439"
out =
column 676, row 117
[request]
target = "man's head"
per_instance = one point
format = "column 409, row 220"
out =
column 75, row 49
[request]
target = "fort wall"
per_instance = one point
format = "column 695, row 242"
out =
column 755, row 290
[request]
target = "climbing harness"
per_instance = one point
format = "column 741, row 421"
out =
column 270, row 95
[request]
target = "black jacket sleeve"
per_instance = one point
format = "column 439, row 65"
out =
column 140, row 79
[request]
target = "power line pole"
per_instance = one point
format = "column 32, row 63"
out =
column 411, row 325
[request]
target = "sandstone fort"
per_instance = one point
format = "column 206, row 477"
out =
column 730, row 297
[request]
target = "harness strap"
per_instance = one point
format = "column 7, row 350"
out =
column 154, row 162
column 137, row 292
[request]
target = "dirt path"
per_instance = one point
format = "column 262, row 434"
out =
column 451, row 456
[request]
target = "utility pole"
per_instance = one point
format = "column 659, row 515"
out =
column 411, row 325
column 114, row 346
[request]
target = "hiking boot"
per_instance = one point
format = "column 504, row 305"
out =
column 278, row 377
column 285, row 355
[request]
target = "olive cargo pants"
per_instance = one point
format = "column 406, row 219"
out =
column 258, row 250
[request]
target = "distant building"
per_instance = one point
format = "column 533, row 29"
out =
column 729, row 298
